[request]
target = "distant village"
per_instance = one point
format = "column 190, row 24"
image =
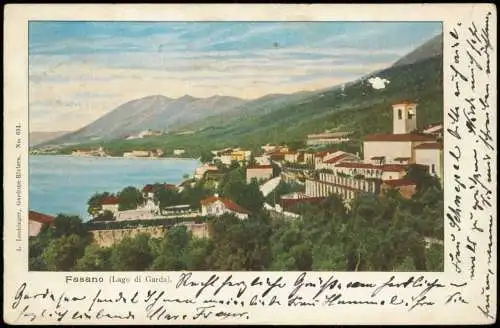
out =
column 383, row 165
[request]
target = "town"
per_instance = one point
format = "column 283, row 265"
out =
column 282, row 184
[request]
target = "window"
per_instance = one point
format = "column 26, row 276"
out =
column 433, row 168
column 400, row 114
column 410, row 115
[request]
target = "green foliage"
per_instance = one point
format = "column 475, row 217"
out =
column 94, row 203
column 130, row 198
column 62, row 253
column 172, row 254
column 95, row 258
column 132, row 254
column 206, row 156
column 283, row 188
column 167, row 197
column 435, row 258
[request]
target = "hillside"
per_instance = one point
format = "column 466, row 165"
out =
column 359, row 107
column 36, row 138
column 153, row 112
column 431, row 48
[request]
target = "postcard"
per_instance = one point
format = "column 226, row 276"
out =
column 250, row 164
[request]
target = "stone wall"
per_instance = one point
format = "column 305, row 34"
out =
column 106, row 238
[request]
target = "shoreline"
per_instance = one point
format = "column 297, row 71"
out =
column 120, row 157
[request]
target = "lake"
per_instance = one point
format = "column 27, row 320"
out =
column 63, row 184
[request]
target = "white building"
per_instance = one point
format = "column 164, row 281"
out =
column 292, row 156
column 217, row 206
column 262, row 160
column 327, row 138
column 399, row 146
column 110, row 203
column 259, row 172
column 268, row 148
column 37, row 221
column 431, row 154
column 200, row 171
column 143, row 213
column 137, row 153
column 178, row 152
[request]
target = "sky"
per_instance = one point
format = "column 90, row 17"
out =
column 79, row 71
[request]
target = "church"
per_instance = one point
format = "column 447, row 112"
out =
column 386, row 158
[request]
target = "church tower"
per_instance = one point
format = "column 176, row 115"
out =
column 404, row 117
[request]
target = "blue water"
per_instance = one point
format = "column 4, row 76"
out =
column 63, row 184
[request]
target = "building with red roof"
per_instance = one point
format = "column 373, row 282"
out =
column 405, row 187
column 36, row 222
column 259, row 172
column 110, row 203
column 217, row 206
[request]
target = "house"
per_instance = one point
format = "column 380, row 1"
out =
column 327, row 138
column 225, row 157
column 178, row 152
column 262, row 160
column 37, row 221
column 400, row 145
column 259, row 172
column 276, row 155
column 405, row 187
column 291, row 156
column 431, row 155
column 137, row 153
column 200, row 171
column 332, row 159
column 268, row 148
column 82, row 152
column 217, row 206
column 110, row 203
column 241, row 155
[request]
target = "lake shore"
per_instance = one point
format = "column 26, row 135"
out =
column 120, row 157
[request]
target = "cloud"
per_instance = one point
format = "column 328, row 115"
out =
column 378, row 83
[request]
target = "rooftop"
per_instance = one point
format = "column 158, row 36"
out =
column 400, row 137
column 430, row 145
column 40, row 217
column 227, row 203
column 110, row 200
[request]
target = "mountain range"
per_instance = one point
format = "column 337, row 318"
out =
column 222, row 120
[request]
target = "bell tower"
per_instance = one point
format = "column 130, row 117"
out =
column 404, row 117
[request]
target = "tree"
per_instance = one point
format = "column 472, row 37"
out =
column 94, row 203
column 422, row 178
column 173, row 250
column 198, row 252
column 250, row 197
column 434, row 257
column 167, row 197
column 64, row 225
column 132, row 254
column 62, row 253
column 95, row 258
column 206, row 157
column 130, row 198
